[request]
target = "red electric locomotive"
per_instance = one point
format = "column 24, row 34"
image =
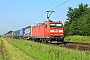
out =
column 48, row 32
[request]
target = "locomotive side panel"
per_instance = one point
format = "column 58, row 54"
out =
column 46, row 30
column 33, row 32
column 37, row 31
column 42, row 33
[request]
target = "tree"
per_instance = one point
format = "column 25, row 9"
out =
column 78, row 21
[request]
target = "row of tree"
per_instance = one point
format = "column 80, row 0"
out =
column 78, row 21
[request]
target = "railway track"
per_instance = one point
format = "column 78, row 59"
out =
column 76, row 45
column 73, row 45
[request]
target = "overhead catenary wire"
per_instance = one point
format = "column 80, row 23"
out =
column 60, row 15
column 60, row 4
column 39, row 16
column 63, row 13
column 49, row 5
column 43, row 10
column 51, row 9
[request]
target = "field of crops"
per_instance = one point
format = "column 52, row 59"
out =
column 85, row 39
column 21, row 49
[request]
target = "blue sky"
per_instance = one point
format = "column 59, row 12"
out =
column 16, row 14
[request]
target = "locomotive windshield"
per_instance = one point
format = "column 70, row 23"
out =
column 55, row 25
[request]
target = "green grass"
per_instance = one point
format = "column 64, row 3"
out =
column 14, row 53
column 85, row 39
column 1, row 57
column 49, row 52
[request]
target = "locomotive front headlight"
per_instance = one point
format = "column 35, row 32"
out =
column 60, row 30
column 61, row 34
column 51, row 34
column 52, row 31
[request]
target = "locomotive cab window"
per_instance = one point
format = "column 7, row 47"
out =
column 55, row 25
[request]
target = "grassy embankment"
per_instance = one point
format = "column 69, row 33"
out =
column 1, row 56
column 49, row 52
column 14, row 53
column 85, row 39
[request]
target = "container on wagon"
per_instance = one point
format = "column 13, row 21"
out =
column 27, row 31
column 22, row 32
column 14, row 33
column 18, row 33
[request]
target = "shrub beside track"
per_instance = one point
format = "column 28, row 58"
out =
column 83, row 39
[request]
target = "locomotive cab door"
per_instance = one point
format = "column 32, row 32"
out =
column 45, row 31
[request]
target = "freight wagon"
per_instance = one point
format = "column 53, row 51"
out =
column 14, row 34
column 28, row 32
column 22, row 32
column 18, row 33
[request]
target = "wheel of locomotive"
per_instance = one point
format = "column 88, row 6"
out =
column 39, row 40
column 46, row 40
